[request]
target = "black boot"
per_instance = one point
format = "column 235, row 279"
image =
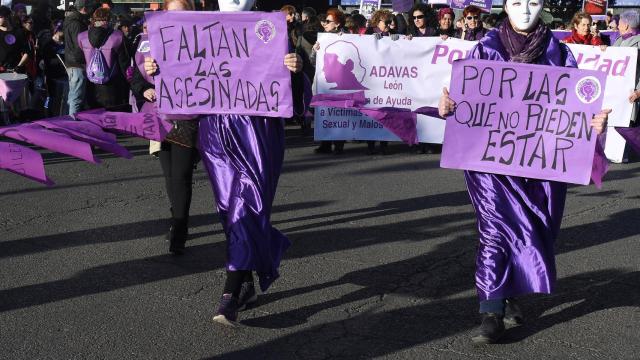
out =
column 491, row 329
column 178, row 236
column 512, row 313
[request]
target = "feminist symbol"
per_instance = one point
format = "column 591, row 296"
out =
column 588, row 89
column 265, row 30
column 10, row 39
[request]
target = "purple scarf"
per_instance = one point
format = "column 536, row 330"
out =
column 632, row 33
column 524, row 48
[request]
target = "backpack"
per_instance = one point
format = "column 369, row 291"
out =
column 98, row 72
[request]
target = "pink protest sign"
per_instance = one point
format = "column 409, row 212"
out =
column 523, row 120
column 221, row 63
column 23, row 161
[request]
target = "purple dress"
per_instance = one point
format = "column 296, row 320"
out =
column 518, row 218
column 243, row 156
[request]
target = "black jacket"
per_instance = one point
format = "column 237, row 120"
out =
column 74, row 24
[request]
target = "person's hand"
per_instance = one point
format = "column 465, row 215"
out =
column 316, row 46
column 293, row 62
column 150, row 66
column 378, row 36
column 635, row 96
column 150, row 94
column 20, row 69
column 408, row 37
column 446, row 106
column 599, row 122
column 394, row 37
column 603, row 47
column 444, row 37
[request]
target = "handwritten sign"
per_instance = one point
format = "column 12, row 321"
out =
column 523, row 120
column 221, row 63
column 368, row 7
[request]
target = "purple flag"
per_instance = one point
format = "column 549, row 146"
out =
column 482, row 4
column 632, row 135
column 37, row 135
column 23, row 161
column 87, row 132
column 145, row 125
column 402, row 5
column 221, row 63
column 401, row 122
column 523, row 120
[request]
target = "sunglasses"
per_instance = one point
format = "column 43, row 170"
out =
column 473, row 17
column 419, row 17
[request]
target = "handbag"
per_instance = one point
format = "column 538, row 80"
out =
column 184, row 133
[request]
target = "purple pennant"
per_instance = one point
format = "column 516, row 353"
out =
column 23, row 161
column 401, row 122
column 145, row 125
column 632, row 135
column 600, row 162
column 86, row 132
column 69, row 123
column 349, row 100
column 37, row 135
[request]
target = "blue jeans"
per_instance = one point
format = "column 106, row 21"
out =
column 77, row 80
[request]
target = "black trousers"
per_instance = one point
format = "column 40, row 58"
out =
column 177, row 164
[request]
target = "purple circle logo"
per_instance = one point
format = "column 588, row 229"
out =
column 10, row 39
column 588, row 89
column 265, row 30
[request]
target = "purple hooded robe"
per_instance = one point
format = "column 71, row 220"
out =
column 518, row 218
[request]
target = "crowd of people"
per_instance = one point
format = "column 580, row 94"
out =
column 104, row 61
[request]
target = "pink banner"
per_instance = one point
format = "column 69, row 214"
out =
column 23, row 161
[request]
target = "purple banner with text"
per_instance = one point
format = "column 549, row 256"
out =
column 485, row 5
column 523, row 120
column 221, row 63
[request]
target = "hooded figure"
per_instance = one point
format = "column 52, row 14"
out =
column 243, row 156
column 518, row 218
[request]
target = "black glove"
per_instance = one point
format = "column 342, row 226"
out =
column 20, row 69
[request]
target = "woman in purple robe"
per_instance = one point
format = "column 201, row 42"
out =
column 518, row 218
column 243, row 156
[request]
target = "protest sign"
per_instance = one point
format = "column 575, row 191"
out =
column 402, row 5
column 368, row 7
column 221, row 63
column 523, row 120
column 485, row 5
column 405, row 74
column 595, row 7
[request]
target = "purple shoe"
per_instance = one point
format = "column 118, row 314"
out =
column 227, row 313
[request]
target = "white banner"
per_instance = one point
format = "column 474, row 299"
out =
column 402, row 74
column 620, row 64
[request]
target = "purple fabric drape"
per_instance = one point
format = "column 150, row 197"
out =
column 518, row 218
column 243, row 156
column 23, row 161
column 632, row 135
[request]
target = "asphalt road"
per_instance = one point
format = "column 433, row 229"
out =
column 381, row 266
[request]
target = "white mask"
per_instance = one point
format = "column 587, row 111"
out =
column 235, row 5
column 524, row 14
